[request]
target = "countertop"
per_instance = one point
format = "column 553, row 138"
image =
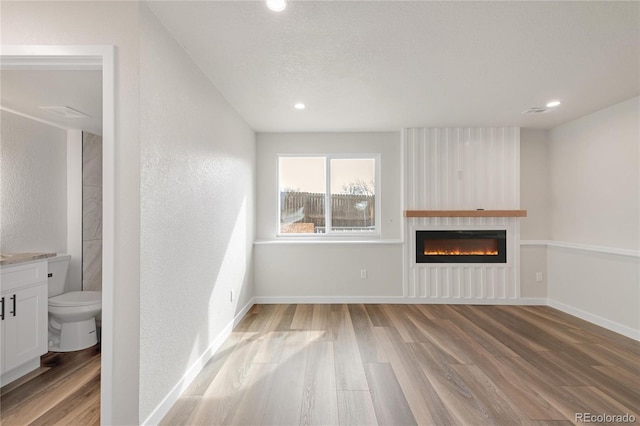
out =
column 12, row 258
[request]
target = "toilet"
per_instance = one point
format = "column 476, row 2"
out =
column 72, row 315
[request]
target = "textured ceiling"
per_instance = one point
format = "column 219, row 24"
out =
column 384, row 65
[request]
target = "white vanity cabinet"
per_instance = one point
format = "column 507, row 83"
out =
column 23, row 295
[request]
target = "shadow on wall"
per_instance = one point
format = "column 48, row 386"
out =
column 234, row 268
column 225, row 276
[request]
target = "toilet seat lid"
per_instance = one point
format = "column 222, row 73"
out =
column 77, row 298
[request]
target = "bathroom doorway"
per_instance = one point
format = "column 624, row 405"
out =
column 85, row 58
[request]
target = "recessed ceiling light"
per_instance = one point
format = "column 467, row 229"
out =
column 277, row 5
column 552, row 104
column 299, row 105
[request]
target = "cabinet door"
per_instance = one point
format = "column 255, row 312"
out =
column 25, row 333
column 4, row 345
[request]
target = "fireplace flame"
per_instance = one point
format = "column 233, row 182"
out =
column 458, row 252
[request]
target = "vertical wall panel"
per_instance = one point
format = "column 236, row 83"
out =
column 468, row 283
column 462, row 169
column 433, row 275
column 479, row 283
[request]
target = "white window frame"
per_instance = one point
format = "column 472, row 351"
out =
column 329, row 233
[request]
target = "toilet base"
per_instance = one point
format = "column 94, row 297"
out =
column 73, row 336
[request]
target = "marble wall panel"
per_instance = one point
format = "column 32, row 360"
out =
column 91, row 212
column 91, row 159
column 92, row 265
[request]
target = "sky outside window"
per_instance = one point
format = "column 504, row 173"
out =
column 307, row 174
column 349, row 171
column 303, row 174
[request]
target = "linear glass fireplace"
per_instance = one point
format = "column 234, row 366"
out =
column 464, row 246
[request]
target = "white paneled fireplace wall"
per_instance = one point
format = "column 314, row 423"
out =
column 462, row 169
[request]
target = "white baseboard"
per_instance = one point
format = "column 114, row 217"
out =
column 595, row 319
column 305, row 300
column 19, row 371
column 302, row 300
column 165, row 405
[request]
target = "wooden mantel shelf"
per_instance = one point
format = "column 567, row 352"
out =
column 465, row 213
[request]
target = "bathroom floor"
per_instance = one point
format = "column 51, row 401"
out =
column 64, row 390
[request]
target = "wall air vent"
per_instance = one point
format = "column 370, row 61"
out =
column 534, row 110
column 65, row 111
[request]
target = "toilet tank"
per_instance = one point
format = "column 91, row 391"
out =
column 58, row 270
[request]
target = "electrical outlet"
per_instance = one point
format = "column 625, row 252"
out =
column 231, row 296
column 363, row 273
column 538, row 276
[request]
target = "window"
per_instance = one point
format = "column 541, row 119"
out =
column 328, row 195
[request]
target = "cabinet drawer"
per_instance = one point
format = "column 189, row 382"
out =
column 21, row 276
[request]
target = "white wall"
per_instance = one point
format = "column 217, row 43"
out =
column 595, row 201
column 535, row 198
column 599, row 287
column 533, row 260
column 33, row 186
column 304, row 270
column 594, row 166
column 319, row 272
column 535, row 184
column 81, row 23
column 197, row 214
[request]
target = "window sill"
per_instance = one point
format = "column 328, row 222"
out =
column 305, row 240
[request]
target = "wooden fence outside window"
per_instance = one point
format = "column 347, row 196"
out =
column 347, row 210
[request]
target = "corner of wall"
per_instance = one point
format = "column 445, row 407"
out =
column 594, row 228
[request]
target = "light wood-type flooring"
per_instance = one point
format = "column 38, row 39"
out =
column 413, row 364
column 373, row 364
column 65, row 390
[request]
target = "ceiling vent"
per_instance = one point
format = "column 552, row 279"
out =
column 65, row 112
column 534, row 110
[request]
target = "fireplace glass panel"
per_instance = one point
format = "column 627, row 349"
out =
column 461, row 246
